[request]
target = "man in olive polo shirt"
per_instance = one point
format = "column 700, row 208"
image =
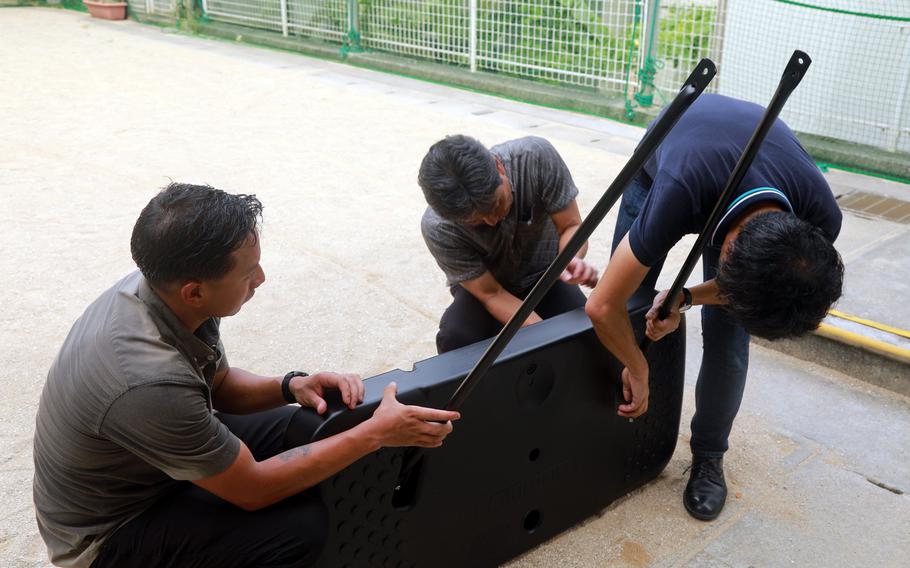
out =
column 150, row 450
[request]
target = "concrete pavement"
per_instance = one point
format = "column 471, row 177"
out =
column 819, row 466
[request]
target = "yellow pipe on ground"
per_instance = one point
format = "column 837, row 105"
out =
column 858, row 340
column 870, row 323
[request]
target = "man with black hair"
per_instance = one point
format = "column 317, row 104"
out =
column 496, row 220
column 770, row 268
column 150, row 450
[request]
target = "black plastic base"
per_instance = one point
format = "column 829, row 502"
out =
column 539, row 448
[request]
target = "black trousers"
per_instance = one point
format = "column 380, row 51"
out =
column 466, row 321
column 193, row 528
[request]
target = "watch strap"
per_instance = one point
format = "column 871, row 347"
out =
column 286, row 386
column 687, row 300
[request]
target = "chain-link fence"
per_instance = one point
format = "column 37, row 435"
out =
column 581, row 42
column 856, row 91
column 323, row 19
column 584, row 43
column 264, row 14
column 857, row 88
column 432, row 29
column 687, row 31
column 606, row 44
column 166, row 8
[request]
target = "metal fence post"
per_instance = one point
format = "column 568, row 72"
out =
column 284, row 17
column 472, row 34
column 352, row 39
column 630, row 62
column 645, row 95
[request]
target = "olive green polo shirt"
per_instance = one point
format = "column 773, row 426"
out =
column 125, row 413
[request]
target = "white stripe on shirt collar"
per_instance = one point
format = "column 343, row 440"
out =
column 749, row 195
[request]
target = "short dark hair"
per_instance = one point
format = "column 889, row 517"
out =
column 188, row 232
column 458, row 177
column 780, row 276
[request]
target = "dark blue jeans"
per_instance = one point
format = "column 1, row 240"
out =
column 725, row 355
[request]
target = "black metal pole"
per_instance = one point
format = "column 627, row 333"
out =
column 793, row 74
column 691, row 89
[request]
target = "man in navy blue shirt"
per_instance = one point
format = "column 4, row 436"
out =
column 770, row 267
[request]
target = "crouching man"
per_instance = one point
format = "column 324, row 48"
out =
column 150, row 450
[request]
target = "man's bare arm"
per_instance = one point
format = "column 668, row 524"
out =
column 501, row 304
column 702, row 294
column 607, row 309
column 578, row 271
column 252, row 485
column 567, row 222
column 236, row 391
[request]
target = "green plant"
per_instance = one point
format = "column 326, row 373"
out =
column 685, row 34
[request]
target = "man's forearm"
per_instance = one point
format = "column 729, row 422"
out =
column 253, row 485
column 706, row 294
column 607, row 308
column 614, row 329
column 242, row 392
column 503, row 306
column 566, row 236
column 303, row 467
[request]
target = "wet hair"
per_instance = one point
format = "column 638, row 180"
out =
column 458, row 177
column 780, row 276
column 188, row 232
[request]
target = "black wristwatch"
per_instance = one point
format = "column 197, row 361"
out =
column 687, row 300
column 286, row 385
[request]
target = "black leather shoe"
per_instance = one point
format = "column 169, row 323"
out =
column 706, row 491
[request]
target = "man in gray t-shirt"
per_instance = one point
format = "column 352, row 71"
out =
column 150, row 450
column 496, row 220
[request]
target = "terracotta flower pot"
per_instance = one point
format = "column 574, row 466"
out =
column 106, row 10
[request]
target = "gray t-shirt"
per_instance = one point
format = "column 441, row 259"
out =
column 519, row 248
column 126, row 412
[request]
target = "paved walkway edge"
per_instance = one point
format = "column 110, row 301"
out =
column 867, row 350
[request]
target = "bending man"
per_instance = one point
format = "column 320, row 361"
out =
column 770, row 268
